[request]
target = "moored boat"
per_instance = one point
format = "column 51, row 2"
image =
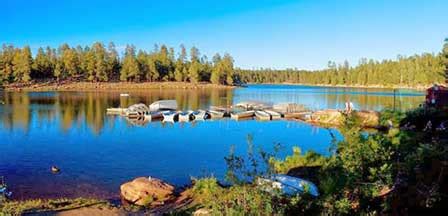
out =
column 288, row 185
column 242, row 115
column 185, row 116
column 200, row 115
column 163, row 105
column 274, row 115
column 262, row 115
column 153, row 116
column 215, row 114
column 170, row 116
column 136, row 110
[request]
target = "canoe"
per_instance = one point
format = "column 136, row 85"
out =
column 274, row 115
column 288, row 185
column 242, row 115
column 214, row 114
column 185, row 116
column 170, row 116
column 200, row 115
column 262, row 115
column 163, row 105
column 153, row 116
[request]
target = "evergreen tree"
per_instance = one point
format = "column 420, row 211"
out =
column 113, row 62
column 130, row 69
column 22, row 63
column 194, row 72
column 445, row 59
column 217, row 69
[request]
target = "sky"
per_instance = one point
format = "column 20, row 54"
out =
column 280, row 34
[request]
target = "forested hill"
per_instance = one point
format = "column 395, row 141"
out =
column 415, row 71
column 99, row 63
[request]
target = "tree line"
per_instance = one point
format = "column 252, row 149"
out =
column 417, row 70
column 99, row 63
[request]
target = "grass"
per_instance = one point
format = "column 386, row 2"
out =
column 41, row 205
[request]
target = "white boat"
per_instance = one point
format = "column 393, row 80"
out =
column 262, row 115
column 170, row 116
column 214, row 114
column 200, row 115
column 163, row 105
column 288, row 185
column 124, row 95
column 137, row 110
column 153, row 116
column 185, row 116
column 274, row 115
column 242, row 115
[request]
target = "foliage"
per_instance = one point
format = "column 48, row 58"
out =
column 384, row 172
column 297, row 159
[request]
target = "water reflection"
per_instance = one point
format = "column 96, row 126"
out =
column 71, row 109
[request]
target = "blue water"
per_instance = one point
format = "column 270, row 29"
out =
column 97, row 153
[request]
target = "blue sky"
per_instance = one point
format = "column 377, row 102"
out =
column 257, row 33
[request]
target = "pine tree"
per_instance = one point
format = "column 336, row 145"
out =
column 227, row 62
column 445, row 59
column 194, row 72
column 130, row 69
column 217, row 69
column 22, row 63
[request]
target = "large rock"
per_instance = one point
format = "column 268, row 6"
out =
column 147, row 191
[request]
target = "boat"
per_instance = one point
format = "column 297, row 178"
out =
column 214, row 114
column 163, row 105
column 124, row 95
column 137, row 110
column 152, row 116
column 185, row 116
column 170, row 116
column 242, row 115
column 200, row 115
column 288, row 185
column 262, row 115
column 274, row 115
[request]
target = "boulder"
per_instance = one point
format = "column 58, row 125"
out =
column 147, row 191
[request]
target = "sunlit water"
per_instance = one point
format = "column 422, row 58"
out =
column 97, row 153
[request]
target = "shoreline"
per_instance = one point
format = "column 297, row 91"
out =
column 419, row 88
column 109, row 86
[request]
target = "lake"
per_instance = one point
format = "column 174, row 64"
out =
column 97, row 152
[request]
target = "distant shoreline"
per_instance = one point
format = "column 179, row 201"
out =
column 110, row 86
column 421, row 88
